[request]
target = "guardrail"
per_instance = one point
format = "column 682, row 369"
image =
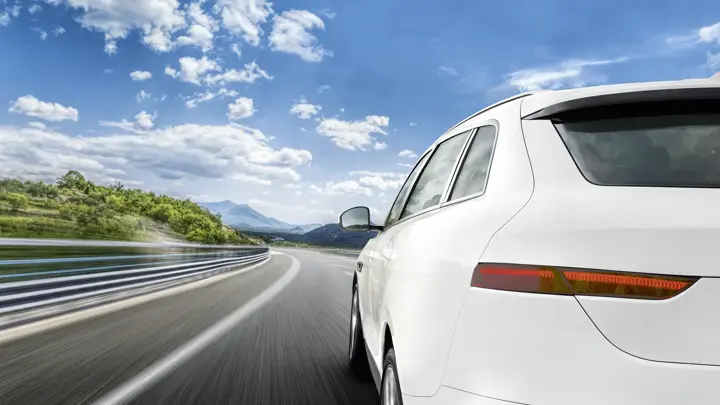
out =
column 40, row 278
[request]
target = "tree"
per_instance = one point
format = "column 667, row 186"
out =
column 17, row 201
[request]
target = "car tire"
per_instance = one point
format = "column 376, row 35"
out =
column 356, row 345
column 390, row 393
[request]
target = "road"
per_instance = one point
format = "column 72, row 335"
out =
column 243, row 339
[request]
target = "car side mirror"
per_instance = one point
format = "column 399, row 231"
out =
column 357, row 219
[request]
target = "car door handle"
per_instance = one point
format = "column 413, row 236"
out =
column 359, row 267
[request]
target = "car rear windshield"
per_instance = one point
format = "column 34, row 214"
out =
column 664, row 151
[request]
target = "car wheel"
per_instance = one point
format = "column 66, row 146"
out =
column 358, row 356
column 390, row 388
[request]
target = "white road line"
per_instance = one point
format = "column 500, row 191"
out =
column 155, row 372
column 22, row 331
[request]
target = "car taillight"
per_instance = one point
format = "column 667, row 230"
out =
column 567, row 281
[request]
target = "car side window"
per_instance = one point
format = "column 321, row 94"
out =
column 432, row 181
column 473, row 173
column 399, row 203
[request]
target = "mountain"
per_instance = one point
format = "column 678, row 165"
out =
column 333, row 235
column 244, row 217
column 309, row 227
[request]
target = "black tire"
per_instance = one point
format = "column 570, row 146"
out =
column 359, row 364
column 390, row 370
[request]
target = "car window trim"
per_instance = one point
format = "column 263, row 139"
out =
column 427, row 152
column 431, row 151
column 488, row 123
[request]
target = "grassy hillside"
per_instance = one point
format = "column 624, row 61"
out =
column 330, row 235
column 76, row 208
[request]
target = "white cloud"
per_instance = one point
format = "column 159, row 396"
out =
column 323, row 88
column 380, row 145
column 157, row 20
column 140, row 75
column 185, row 151
column 243, row 17
column 305, row 110
column 4, row 18
column 31, row 106
column 235, row 48
column 42, row 32
column 711, row 33
column 448, row 70
column 340, row 188
column 143, row 123
column 208, row 96
column 290, row 35
column 380, row 180
column 250, row 73
column 570, row 73
column 35, row 8
column 241, row 108
column 192, row 70
column 407, row 153
column 412, row 124
column 37, row 124
column 142, row 95
column 408, row 165
column 58, row 31
column 198, row 36
column 353, row 135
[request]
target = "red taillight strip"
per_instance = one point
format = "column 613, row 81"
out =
column 565, row 281
column 665, row 284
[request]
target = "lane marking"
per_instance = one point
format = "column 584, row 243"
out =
column 22, row 331
column 155, row 372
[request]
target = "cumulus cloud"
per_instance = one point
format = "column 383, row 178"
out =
column 37, row 124
column 143, row 123
column 711, row 33
column 339, row 188
column 324, row 87
column 156, row 20
column 58, row 31
column 353, row 135
column 290, row 34
column 142, row 95
column 201, row 30
column 192, row 70
column 35, row 8
column 380, row 180
column 208, row 96
column 244, row 17
column 570, row 73
column 140, row 75
column 250, row 73
column 407, row 153
column 241, row 108
column 31, row 106
column 380, row 145
column 305, row 110
column 181, row 152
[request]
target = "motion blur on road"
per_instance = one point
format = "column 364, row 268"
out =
column 274, row 334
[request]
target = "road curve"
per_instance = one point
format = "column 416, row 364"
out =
column 242, row 340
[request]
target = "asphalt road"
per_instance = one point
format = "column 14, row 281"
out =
column 230, row 342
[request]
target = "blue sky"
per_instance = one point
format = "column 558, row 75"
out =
column 302, row 108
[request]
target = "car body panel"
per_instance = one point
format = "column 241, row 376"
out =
column 424, row 292
column 543, row 350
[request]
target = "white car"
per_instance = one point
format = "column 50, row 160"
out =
column 558, row 247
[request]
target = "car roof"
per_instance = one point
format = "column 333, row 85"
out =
column 539, row 101
column 535, row 101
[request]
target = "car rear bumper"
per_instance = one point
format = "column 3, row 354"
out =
column 451, row 396
column 544, row 350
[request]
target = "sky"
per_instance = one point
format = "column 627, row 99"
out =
column 302, row 109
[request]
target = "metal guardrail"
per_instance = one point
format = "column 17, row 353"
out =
column 45, row 277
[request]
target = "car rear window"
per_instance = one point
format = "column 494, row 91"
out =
column 663, row 151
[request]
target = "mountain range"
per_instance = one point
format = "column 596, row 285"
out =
column 244, row 217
